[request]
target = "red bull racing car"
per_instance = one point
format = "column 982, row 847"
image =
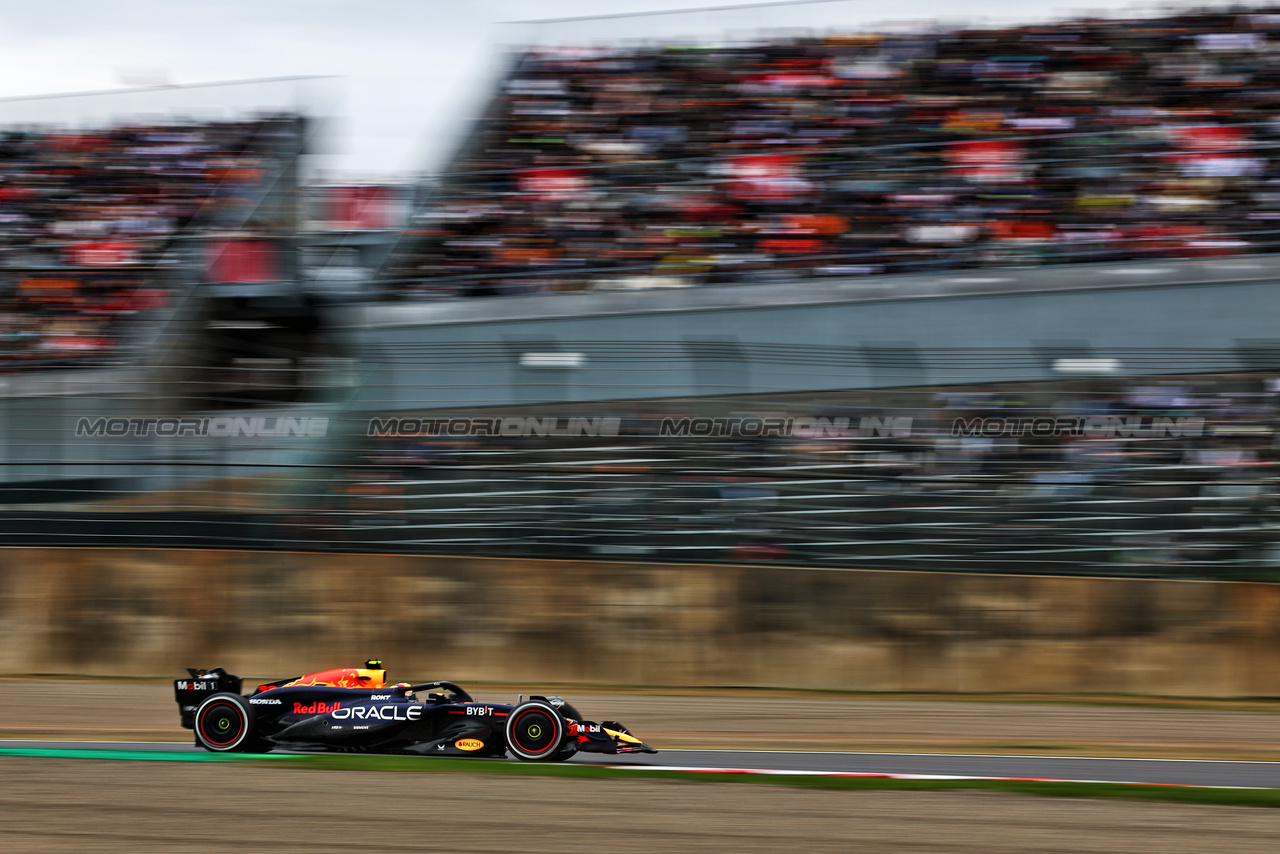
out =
column 353, row 710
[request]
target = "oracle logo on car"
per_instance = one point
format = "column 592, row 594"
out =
column 468, row 744
column 398, row 712
column 316, row 708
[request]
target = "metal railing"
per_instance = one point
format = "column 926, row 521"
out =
column 1184, row 487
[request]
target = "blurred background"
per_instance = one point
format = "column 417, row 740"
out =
column 777, row 288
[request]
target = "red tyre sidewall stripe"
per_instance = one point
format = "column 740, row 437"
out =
column 515, row 735
column 239, row 717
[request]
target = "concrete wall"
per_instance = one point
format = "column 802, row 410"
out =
column 535, row 622
column 947, row 328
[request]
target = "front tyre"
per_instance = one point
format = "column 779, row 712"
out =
column 566, row 752
column 224, row 723
column 535, row 732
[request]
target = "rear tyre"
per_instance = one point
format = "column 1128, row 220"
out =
column 224, row 723
column 535, row 732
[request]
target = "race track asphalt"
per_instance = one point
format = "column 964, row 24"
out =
column 1102, row 769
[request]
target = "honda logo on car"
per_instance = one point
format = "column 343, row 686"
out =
column 384, row 713
column 316, row 708
column 268, row 702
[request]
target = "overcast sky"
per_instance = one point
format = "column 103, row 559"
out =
column 410, row 72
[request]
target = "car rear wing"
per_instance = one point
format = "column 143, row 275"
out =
column 191, row 692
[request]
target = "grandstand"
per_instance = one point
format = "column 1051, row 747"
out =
column 91, row 217
column 921, row 229
column 147, row 269
column 778, row 226
column 766, row 160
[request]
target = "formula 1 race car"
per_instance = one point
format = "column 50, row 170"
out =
column 352, row 710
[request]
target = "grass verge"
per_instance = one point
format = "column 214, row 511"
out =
column 1268, row 798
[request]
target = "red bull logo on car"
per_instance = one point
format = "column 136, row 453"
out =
column 316, row 708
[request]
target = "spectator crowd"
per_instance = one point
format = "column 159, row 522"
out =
column 86, row 218
column 778, row 159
